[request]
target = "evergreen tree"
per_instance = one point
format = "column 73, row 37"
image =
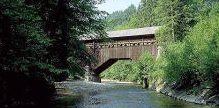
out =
column 117, row 20
column 39, row 39
column 176, row 17
column 146, row 12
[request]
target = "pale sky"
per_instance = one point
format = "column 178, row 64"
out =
column 115, row 5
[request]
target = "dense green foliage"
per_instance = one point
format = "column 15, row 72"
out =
column 118, row 18
column 120, row 71
column 189, row 38
column 131, row 70
column 196, row 58
column 39, row 43
column 175, row 16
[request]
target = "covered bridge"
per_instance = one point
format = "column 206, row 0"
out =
column 123, row 44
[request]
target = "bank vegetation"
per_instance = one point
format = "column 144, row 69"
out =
column 189, row 41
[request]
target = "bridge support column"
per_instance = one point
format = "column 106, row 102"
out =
column 90, row 76
column 145, row 82
column 94, row 78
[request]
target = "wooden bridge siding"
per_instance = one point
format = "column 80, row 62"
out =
column 132, row 52
column 113, row 50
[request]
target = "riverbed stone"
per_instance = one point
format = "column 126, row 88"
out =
column 93, row 78
column 213, row 100
column 182, row 95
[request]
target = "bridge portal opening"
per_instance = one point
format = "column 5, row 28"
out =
column 108, row 64
column 120, row 70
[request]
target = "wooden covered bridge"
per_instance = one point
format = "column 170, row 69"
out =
column 124, row 44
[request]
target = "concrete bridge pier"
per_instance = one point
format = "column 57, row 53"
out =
column 91, row 76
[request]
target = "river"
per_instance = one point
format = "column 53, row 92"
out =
column 110, row 94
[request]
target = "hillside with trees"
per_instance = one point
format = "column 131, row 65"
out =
column 119, row 18
column 40, row 44
column 189, row 39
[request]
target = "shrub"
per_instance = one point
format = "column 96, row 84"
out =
column 197, row 57
column 134, row 71
column 205, row 38
column 119, row 71
column 145, row 64
column 181, row 64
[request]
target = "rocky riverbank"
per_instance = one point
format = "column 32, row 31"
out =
column 69, row 93
column 204, row 97
column 80, row 86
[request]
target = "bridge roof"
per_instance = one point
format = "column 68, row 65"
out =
column 128, row 33
column 133, row 32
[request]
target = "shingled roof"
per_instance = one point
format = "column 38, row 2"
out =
column 128, row 32
column 133, row 32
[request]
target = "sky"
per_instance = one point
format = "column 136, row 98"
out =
column 115, row 5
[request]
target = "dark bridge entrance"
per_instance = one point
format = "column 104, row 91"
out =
column 124, row 44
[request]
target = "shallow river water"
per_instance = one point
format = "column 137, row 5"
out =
column 122, row 95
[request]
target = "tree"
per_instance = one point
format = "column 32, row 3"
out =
column 146, row 13
column 117, row 20
column 65, row 22
column 39, row 38
column 176, row 17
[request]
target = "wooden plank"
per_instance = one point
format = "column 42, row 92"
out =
column 119, row 49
